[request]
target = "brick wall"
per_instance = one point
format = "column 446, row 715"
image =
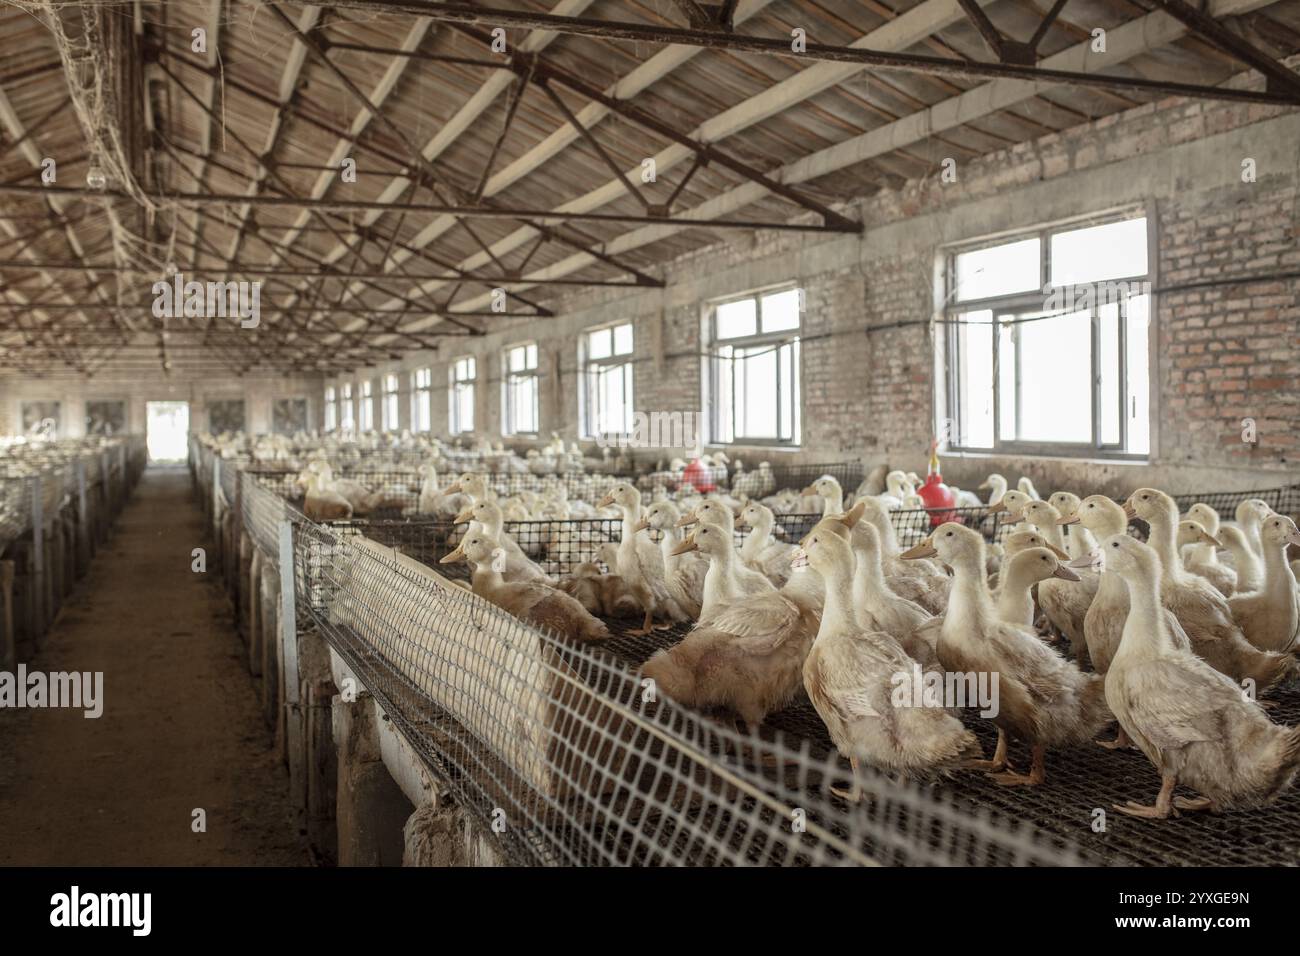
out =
column 1224, row 353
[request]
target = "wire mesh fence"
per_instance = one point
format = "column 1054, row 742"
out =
column 561, row 747
column 558, row 743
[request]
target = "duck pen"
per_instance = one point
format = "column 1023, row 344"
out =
column 560, row 754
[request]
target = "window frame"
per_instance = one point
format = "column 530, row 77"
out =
column 713, row 399
column 421, row 392
column 509, row 379
column 455, row 385
column 390, row 411
column 331, row 418
column 346, row 405
column 1018, row 305
column 589, row 407
column 366, row 405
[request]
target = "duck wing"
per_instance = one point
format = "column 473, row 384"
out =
column 762, row 622
column 1174, row 702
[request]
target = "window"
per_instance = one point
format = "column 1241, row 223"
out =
column 1047, row 342
column 421, row 400
column 367, row 416
column 607, row 392
column 753, row 376
column 390, row 403
column 460, row 395
column 520, row 401
column 345, row 407
column 331, row 409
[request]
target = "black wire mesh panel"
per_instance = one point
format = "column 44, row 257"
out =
column 799, row 476
column 562, row 744
column 1284, row 500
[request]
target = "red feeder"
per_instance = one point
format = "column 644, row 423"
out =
column 937, row 496
column 697, row 475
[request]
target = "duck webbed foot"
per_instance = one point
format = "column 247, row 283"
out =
column 854, row 793
column 1120, row 742
column 999, row 761
column 1037, row 772
column 647, row 626
column 1162, row 809
column 1193, row 804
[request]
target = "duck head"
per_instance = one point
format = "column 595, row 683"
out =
column 1067, row 503
column 1039, row 564
column 1193, row 532
column 1024, row 540
column 661, row 516
column 477, row 548
column 952, row 543
column 622, row 494
column 1149, row 503
column 1278, row 531
column 1100, row 515
column 1205, row 516
column 708, row 539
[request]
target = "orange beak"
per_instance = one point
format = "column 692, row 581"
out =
column 454, row 556
column 1058, row 552
column 641, row 525
column 687, row 545
column 923, row 550
column 464, row 516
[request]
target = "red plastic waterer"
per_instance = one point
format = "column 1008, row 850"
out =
column 697, row 475
column 937, row 496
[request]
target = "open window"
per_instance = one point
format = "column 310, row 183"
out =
column 520, row 399
column 607, row 404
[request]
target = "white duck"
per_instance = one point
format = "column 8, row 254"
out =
column 1202, row 557
column 487, row 517
column 850, row 674
column 761, row 550
column 1192, row 722
column 684, row 573
column 1043, row 698
column 1191, row 538
column 919, row 581
column 1250, row 515
column 322, row 503
column 640, row 562
column 996, row 486
column 748, row 655
column 1078, row 539
column 1064, row 603
column 1201, row 610
column 714, row 513
column 1270, row 616
column 1024, row 569
column 831, row 494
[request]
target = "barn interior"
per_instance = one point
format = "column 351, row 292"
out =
column 375, row 374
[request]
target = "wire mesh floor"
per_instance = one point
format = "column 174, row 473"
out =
column 1079, row 781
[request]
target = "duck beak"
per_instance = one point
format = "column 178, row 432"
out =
column 1129, row 511
column 740, row 520
column 985, row 486
column 923, row 550
column 457, row 555
column 686, row 520
column 996, row 507
column 687, row 545
column 1064, row 573
column 452, row 489
column 641, row 525
column 1092, row 559
column 798, row 560
column 1293, row 539
column 1058, row 552
column 810, row 491
column 1207, row 538
column 605, row 502
column 464, row 516
column 1073, row 519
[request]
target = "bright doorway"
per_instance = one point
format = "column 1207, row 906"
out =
column 167, row 429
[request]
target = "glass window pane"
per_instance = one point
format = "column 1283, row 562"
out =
column 975, row 379
column 516, row 359
column 1138, row 398
column 999, row 270
column 1055, row 369
column 531, row 357
column 736, row 319
column 781, row 311
column 756, row 398
column 1097, row 253
column 722, row 402
column 1108, row 368
column 623, row 339
column 600, row 344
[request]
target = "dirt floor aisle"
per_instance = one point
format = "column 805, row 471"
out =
column 181, row 727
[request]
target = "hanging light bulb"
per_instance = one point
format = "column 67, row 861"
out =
column 95, row 178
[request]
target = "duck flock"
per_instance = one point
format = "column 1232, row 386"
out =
column 1075, row 623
